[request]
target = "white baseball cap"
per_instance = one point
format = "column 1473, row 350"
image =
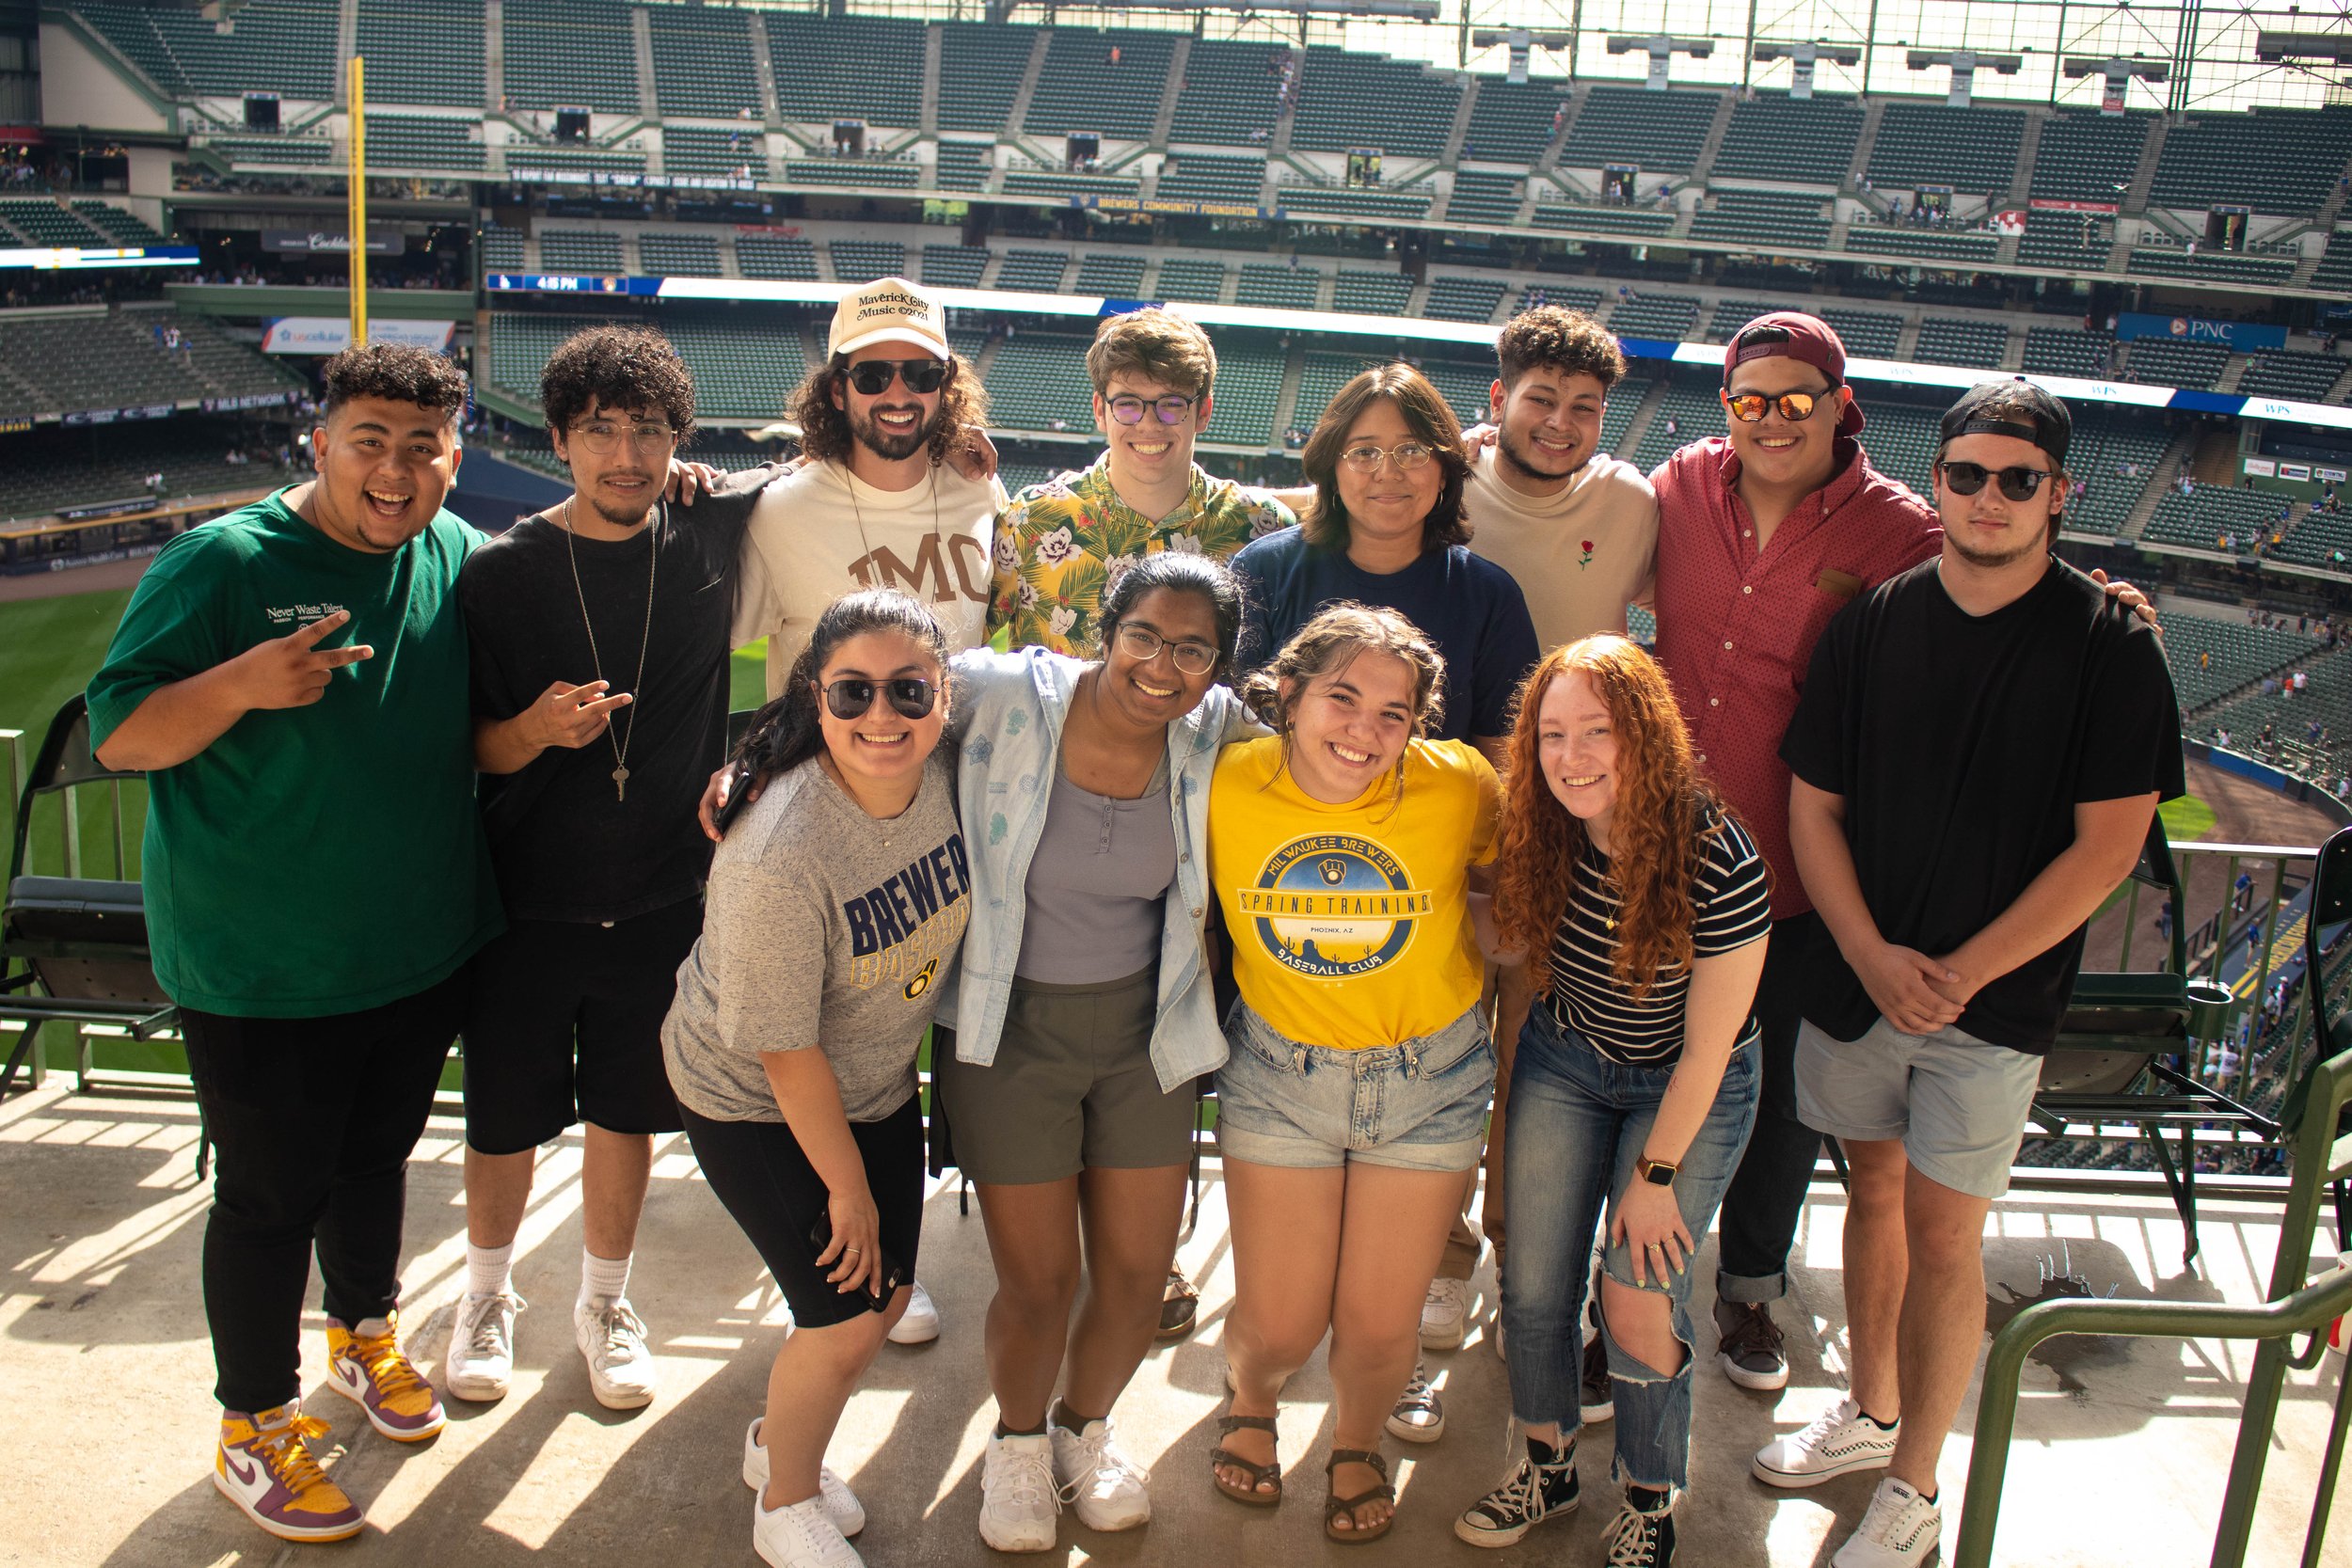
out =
column 889, row 311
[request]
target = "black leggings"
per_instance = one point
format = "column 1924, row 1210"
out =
column 313, row 1120
column 775, row 1195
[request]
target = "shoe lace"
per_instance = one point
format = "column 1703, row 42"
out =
column 1886, row 1511
column 1099, row 1450
column 1825, row 1423
column 1753, row 1331
column 1520, row 1496
column 1417, row 1388
column 1024, row 1479
column 1632, row 1540
column 1453, row 1293
column 624, row 1331
column 389, row 1373
column 285, row 1450
column 490, row 1331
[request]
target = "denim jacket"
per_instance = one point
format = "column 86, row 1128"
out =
column 1009, row 713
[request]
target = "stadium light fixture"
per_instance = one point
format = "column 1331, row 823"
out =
column 1964, row 64
column 2090, row 65
column 2303, row 48
column 1804, row 56
column 1662, row 49
column 1520, row 42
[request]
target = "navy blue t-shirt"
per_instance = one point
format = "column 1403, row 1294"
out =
column 1467, row 605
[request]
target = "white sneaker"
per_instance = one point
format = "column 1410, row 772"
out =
column 1445, row 1314
column 1106, row 1488
column 919, row 1323
column 800, row 1535
column 1841, row 1441
column 612, row 1339
column 841, row 1504
column 1020, row 1500
column 481, row 1361
column 1901, row 1529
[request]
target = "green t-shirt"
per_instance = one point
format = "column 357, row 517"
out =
column 317, row 860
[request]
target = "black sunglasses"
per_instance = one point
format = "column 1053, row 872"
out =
column 872, row 377
column 911, row 695
column 2018, row 483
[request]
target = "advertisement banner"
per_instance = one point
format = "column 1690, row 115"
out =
column 2050, row 204
column 249, row 400
column 2010, row 222
column 332, row 334
column 120, row 416
column 2240, row 335
column 383, row 239
column 2262, row 468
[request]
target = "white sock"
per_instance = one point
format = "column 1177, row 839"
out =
column 602, row 1276
column 489, row 1269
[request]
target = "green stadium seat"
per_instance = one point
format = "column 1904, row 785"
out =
column 1227, row 92
column 1804, row 140
column 1655, row 132
column 981, row 67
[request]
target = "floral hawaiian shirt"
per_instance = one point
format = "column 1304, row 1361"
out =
column 1060, row 543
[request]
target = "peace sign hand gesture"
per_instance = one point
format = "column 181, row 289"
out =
column 292, row 671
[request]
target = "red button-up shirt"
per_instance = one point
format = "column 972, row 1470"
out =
column 1736, row 625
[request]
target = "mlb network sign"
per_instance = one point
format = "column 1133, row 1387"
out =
column 2240, row 335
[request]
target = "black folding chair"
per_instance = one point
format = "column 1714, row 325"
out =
column 2325, row 930
column 74, row 949
column 2107, row 1066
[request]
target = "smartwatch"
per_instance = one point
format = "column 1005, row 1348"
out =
column 1657, row 1173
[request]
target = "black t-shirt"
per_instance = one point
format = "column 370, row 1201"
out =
column 1961, row 745
column 565, row 845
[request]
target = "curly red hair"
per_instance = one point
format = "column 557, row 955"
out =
column 1664, row 812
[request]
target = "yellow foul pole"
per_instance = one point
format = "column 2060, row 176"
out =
column 356, row 222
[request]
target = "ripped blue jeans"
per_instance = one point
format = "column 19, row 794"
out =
column 1574, row 1124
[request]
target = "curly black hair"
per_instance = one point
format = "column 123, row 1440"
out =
column 397, row 374
column 1565, row 340
column 825, row 426
column 622, row 369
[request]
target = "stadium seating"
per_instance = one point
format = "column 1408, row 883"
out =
column 1111, row 275
column 1274, row 287
column 246, row 152
column 1691, row 402
column 900, row 172
column 701, row 61
column 1616, row 415
column 1974, row 151
column 502, row 249
column 2203, row 520
column 577, row 54
column 1248, row 385
column 2335, row 263
column 1229, row 92
column 1036, row 272
column 1210, row 177
column 1619, row 220
column 118, row 226
column 981, row 67
column 2281, row 161
column 52, row 472
column 1957, row 340
column 421, row 52
column 2212, row 657
column 549, row 154
column 1866, row 334
column 1372, row 293
column 112, row 359
column 965, row 165
column 2067, row 351
column 1510, row 122
column 1079, row 90
column 2088, row 156
column 954, row 266
column 1901, row 436
column 1482, row 197
column 1037, row 378
column 2306, row 377
column 1455, row 298
column 1671, row 317
column 690, row 149
column 737, row 374
column 2068, row 240
column 675, row 255
column 1534, row 295
column 1374, row 203
column 417, row 141
column 2328, row 700
column 784, row 258
column 863, row 260
column 1732, row 315
column 43, row 222
column 1029, row 180
column 1655, row 132
column 1321, row 376
column 2166, row 363
column 1767, row 218
column 281, row 46
column 1188, row 277
column 1940, row 245
column 584, row 250
column 2224, row 266
column 2319, row 539
column 1346, row 99
column 2113, row 453
column 1773, row 136
column 831, row 66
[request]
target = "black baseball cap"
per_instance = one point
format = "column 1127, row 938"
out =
column 2016, row 408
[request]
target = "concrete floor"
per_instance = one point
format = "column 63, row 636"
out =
column 2121, row 1456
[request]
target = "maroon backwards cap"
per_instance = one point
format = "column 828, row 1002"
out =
column 1794, row 335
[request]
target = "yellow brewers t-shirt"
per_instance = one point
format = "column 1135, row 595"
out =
column 1351, row 924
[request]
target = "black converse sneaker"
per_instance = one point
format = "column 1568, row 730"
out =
column 1541, row 1487
column 1642, row 1534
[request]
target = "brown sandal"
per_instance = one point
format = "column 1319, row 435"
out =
column 1335, row 1507
column 1259, row 1474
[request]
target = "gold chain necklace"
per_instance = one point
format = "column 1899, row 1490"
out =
column 571, row 546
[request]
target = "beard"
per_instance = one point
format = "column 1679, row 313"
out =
column 619, row 514
column 1522, row 456
column 890, row 445
column 1993, row 559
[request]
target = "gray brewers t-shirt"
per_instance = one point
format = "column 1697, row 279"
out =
column 822, row 927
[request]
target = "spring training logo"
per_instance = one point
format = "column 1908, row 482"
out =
column 1334, row 905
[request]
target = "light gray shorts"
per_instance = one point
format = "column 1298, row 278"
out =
column 1958, row 1103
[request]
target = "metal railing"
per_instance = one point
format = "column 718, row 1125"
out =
column 2321, row 1157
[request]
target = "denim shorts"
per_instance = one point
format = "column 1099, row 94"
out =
column 1421, row 1105
column 1958, row 1103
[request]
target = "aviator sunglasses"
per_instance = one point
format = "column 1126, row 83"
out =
column 873, row 377
column 2018, row 483
column 850, row 698
column 1748, row 407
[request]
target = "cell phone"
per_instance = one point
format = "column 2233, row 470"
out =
column 882, row 1281
column 740, row 779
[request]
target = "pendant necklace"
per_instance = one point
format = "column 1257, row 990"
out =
column 611, row 733
column 873, row 566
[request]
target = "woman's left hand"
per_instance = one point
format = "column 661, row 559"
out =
column 1648, row 1222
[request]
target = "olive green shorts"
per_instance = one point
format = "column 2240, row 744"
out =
column 1071, row 1088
